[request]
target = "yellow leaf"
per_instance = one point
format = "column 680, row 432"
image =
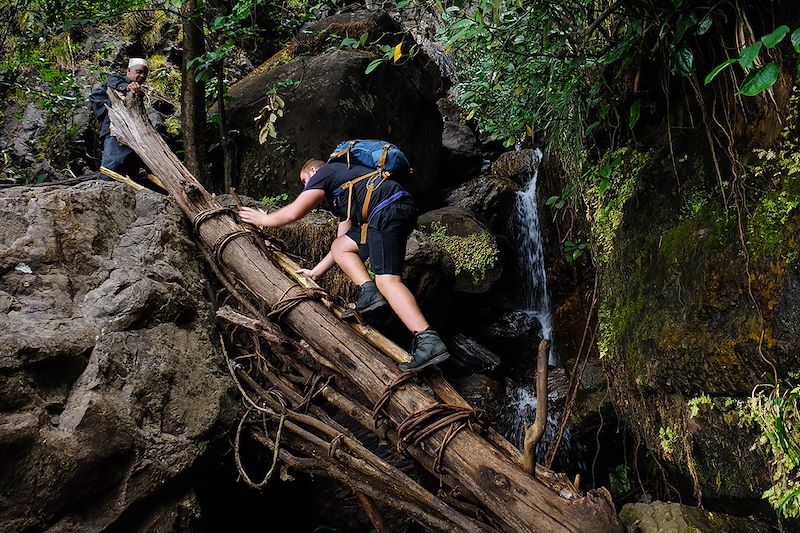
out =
column 470, row 114
column 529, row 130
column 398, row 52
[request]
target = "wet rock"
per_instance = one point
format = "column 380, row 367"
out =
column 482, row 392
column 491, row 198
column 469, row 353
column 662, row 517
column 460, row 157
column 460, row 224
column 516, row 166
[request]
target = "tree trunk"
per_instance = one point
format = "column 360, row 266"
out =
column 516, row 500
column 193, row 97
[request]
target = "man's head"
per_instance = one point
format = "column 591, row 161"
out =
column 309, row 169
column 137, row 69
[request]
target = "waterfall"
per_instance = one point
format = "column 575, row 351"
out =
column 531, row 257
column 521, row 413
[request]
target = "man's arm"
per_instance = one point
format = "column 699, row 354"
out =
column 327, row 262
column 302, row 205
column 117, row 82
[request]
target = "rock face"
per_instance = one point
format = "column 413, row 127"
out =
column 111, row 383
column 334, row 100
column 473, row 272
column 687, row 310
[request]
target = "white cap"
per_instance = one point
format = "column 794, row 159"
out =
column 137, row 61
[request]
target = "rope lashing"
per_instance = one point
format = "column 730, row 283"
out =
column 334, row 444
column 401, row 380
column 287, row 303
column 223, row 241
column 428, row 420
column 206, row 214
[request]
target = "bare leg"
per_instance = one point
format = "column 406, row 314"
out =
column 401, row 301
column 345, row 253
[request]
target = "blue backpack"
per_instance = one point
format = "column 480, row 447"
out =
column 385, row 158
column 380, row 155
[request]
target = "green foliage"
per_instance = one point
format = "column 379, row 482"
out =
column 764, row 230
column 667, row 439
column 475, row 253
column 607, row 186
column 574, row 249
column 775, row 410
column 775, row 176
column 164, row 79
column 273, row 110
column 696, row 403
column 618, row 481
column 764, row 76
column 277, row 200
column 519, row 66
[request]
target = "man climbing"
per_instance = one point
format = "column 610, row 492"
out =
column 391, row 217
column 117, row 157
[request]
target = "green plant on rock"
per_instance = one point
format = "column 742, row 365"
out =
column 606, row 187
column 475, row 253
column 696, row 403
column 775, row 410
column 667, row 439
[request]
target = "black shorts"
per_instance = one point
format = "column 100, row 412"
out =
column 387, row 234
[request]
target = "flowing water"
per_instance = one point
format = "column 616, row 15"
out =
column 521, row 410
column 521, row 413
column 531, row 257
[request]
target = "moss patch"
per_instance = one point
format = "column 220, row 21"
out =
column 475, row 253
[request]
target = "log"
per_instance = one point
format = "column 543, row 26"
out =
column 516, row 500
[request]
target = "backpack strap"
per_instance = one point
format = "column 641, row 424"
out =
column 374, row 180
column 348, row 186
column 345, row 151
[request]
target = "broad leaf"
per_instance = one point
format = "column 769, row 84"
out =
column 375, row 63
column 749, row 54
column 398, row 52
column 685, row 22
column 704, row 26
column 760, row 80
column 682, row 61
column 719, row 68
column 796, row 40
column 771, row 40
column 633, row 114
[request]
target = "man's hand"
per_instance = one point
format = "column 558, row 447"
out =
column 253, row 216
column 309, row 273
column 134, row 87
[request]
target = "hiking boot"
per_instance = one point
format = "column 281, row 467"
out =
column 369, row 301
column 426, row 349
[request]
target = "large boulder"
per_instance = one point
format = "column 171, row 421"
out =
column 474, row 257
column 333, row 99
column 112, row 385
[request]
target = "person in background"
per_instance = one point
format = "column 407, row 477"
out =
column 391, row 218
column 118, row 157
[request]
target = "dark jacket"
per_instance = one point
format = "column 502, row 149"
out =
column 99, row 98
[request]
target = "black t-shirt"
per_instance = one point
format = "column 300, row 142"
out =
column 332, row 176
